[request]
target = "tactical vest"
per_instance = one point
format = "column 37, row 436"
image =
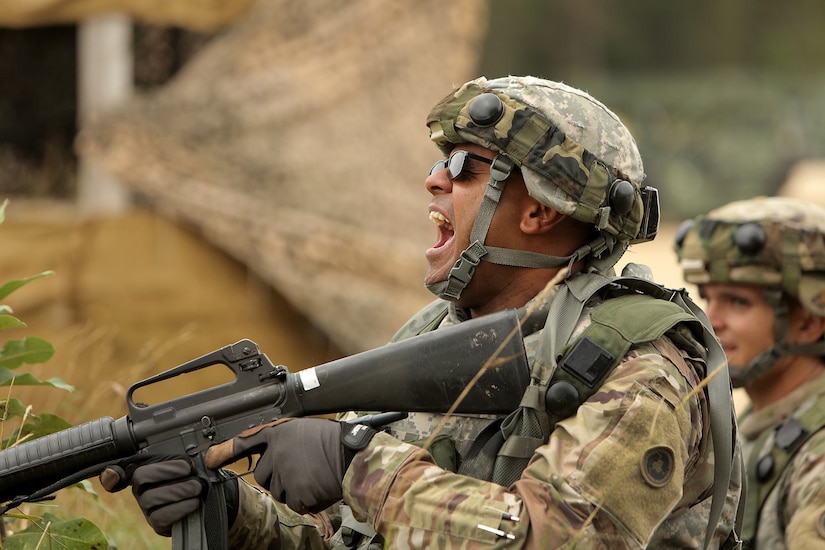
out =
column 764, row 470
column 625, row 312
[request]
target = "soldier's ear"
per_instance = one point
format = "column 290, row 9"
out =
column 539, row 218
column 811, row 327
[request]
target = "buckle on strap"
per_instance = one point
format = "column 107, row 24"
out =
column 499, row 171
column 466, row 265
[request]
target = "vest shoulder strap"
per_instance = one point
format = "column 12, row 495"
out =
column 635, row 311
column 605, row 343
column 617, row 325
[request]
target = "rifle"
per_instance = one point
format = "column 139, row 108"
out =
column 478, row 366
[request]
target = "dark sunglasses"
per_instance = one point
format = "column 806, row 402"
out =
column 455, row 163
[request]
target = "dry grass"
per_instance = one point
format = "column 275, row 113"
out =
column 117, row 515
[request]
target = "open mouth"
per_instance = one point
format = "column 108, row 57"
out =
column 445, row 228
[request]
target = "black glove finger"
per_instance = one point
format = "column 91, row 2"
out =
column 166, row 504
column 167, row 492
column 159, row 496
column 161, row 472
column 264, row 475
column 162, row 519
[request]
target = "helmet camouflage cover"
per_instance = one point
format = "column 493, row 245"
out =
column 575, row 154
column 775, row 242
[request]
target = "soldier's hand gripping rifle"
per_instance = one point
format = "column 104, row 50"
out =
column 478, row 366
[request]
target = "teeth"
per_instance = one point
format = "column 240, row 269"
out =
column 440, row 220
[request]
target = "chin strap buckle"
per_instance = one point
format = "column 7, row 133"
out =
column 463, row 269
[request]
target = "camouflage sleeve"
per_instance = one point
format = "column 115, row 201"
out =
column 607, row 478
column 803, row 508
column 263, row 523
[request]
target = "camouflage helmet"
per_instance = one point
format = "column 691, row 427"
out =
column 575, row 154
column 776, row 242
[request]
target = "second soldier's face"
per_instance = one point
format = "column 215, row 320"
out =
column 742, row 319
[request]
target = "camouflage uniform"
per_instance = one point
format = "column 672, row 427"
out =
column 633, row 468
column 777, row 243
column 587, row 487
column 583, row 488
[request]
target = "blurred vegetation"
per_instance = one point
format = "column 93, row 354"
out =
column 709, row 138
column 567, row 38
column 20, row 529
column 722, row 97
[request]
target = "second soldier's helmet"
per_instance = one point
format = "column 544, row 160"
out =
column 774, row 242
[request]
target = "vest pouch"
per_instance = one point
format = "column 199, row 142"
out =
column 442, row 448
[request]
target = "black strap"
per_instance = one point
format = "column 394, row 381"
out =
column 46, row 493
column 481, row 455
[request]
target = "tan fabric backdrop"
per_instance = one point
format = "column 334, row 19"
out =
column 203, row 15
column 296, row 142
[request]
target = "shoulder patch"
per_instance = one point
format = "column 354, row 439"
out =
column 657, row 466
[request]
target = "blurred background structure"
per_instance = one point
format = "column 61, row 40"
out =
column 198, row 172
column 289, row 137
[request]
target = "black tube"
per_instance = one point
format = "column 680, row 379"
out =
column 424, row 373
column 32, row 465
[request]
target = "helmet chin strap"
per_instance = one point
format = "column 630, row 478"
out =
column 743, row 376
column 762, row 363
column 464, row 268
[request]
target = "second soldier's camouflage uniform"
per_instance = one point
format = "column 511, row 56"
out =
column 793, row 514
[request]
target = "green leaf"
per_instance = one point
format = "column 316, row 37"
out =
column 36, row 426
column 28, row 379
column 12, row 408
column 9, row 321
column 87, row 487
column 11, row 286
column 58, row 383
column 31, row 349
column 73, row 534
column 46, row 424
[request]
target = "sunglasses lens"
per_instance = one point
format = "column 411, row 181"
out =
column 438, row 167
column 456, row 163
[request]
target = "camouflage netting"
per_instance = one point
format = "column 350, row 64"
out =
column 296, row 141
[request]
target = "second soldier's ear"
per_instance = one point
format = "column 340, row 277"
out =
column 811, row 328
